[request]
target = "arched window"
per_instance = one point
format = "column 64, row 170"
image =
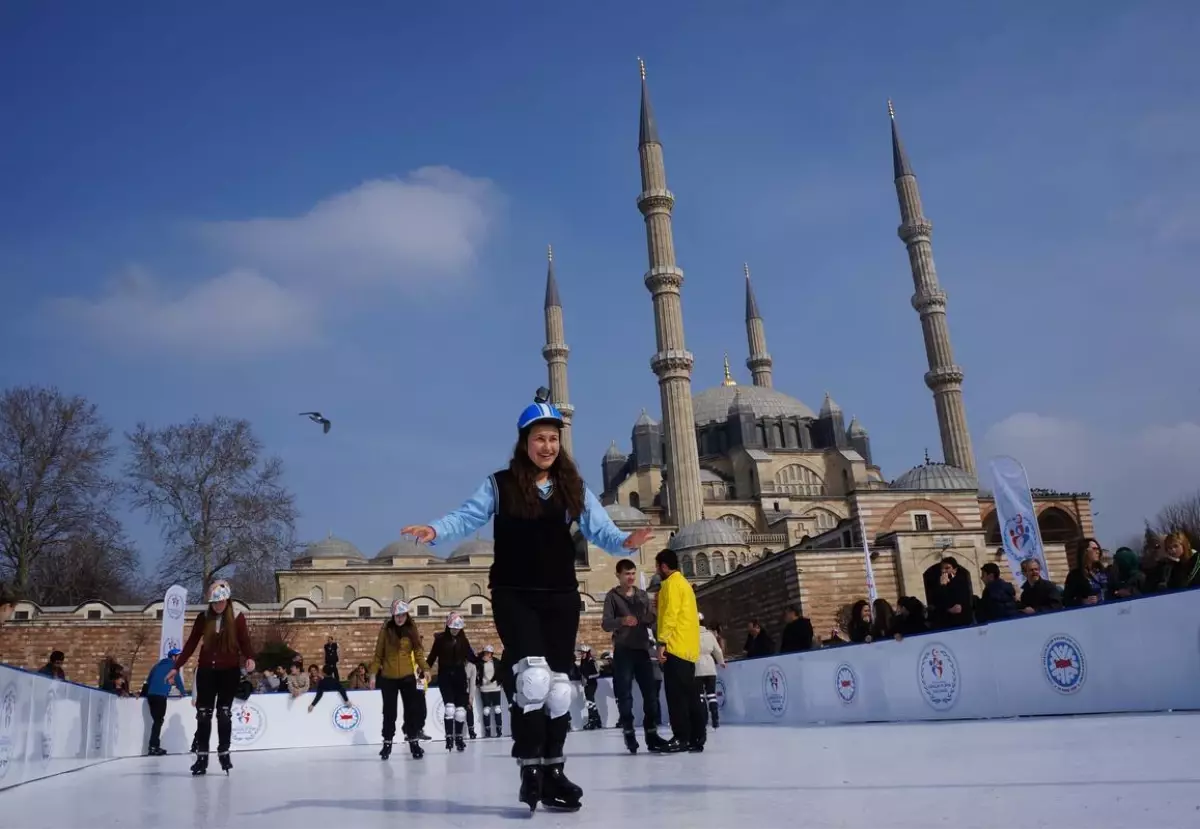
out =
column 635, row 500
column 718, row 564
column 397, row 592
column 1057, row 527
column 824, row 519
column 317, row 595
column 476, row 590
column 795, row 479
column 685, row 567
column 702, row 571
column 430, row 591
column 991, row 530
column 349, row 594
column 745, row 558
column 738, row 523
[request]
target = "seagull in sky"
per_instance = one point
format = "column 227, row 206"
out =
column 317, row 417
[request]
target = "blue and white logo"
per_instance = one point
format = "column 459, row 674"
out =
column 48, row 727
column 774, row 685
column 720, row 694
column 8, row 724
column 1064, row 662
column 347, row 717
column 937, row 674
column 846, row 683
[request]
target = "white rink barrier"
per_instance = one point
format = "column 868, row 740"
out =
column 1140, row 655
column 49, row 727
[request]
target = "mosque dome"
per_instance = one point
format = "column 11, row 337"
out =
column 712, row 405
column 474, row 547
column 624, row 514
column 403, row 548
column 707, row 532
column 936, row 477
column 332, row 547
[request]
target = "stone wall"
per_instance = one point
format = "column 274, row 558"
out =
column 133, row 641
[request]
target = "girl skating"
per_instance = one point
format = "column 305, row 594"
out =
column 398, row 655
column 488, row 680
column 224, row 642
column 450, row 652
column 535, row 594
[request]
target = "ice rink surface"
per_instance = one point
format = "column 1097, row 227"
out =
column 1088, row 772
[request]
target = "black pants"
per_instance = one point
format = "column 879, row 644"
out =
column 336, row 675
column 215, row 685
column 536, row 623
column 706, row 687
column 630, row 664
column 414, row 706
column 158, row 712
column 683, row 703
column 491, row 705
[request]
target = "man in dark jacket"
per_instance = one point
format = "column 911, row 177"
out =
column 1038, row 595
column 950, row 600
column 156, row 690
column 797, row 632
column 331, row 656
column 54, row 668
column 999, row 598
column 628, row 616
column 758, row 641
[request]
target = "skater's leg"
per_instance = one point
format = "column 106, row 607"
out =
column 698, row 711
column 228, row 681
column 560, row 623
column 158, row 712
column 710, row 699
column 206, row 700
column 526, row 671
column 388, row 690
column 679, row 678
column 622, row 678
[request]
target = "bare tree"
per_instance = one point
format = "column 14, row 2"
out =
column 88, row 567
column 54, row 487
column 222, row 507
column 1182, row 515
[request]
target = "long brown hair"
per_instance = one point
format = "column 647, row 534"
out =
column 224, row 640
column 567, row 486
column 457, row 648
column 408, row 631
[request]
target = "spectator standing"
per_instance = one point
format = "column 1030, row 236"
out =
column 156, row 690
column 54, row 668
column 678, row 649
column 1128, row 579
column 998, row 600
column 758, row 641
column 331, row 656
column 1038, row 595
column 797, row 633
column 1087, row 583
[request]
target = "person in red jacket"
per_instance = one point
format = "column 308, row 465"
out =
column 224, row 641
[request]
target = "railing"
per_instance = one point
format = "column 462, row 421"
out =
column 766, row 538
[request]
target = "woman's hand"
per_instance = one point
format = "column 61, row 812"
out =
column 423, row 533
column 637, row 538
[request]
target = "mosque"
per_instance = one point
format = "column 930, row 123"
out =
column 732, row 474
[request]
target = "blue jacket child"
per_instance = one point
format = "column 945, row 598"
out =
column 156, row 682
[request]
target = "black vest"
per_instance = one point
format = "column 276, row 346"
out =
column 531, row 553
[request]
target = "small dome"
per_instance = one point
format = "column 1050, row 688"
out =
column 614, row 453
column 707, row 532
column 644, row 420
column 932, row 476
column 474, row 547
column 624, row 514
column 332, row 548
column 403, row 548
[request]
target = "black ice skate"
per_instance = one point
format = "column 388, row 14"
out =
column 448, row 725
column 712, row 712
column 201, row 765
column 631, row 742
column 487, row 730
column 471, row 732
column 674, row 746
column 415, row 748
column 654, row 743
column 386, row 751
column 226, row 763
column 531, row 786
column 558, row 792
column 459, row 742
column 156, row 752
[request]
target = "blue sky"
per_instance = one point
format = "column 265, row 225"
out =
column 256, row 212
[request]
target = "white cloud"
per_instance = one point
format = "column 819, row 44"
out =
column 1130, row 475
column 402, row 232
column 237, row 313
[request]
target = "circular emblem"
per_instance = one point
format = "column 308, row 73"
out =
column 1066, row 668
column 720, row 694
column 1020, row 535
column 249, row 723
column 347, row 717
column 846, row 683
column 937, row 674
column 774, row 687
column 174, row 606
column 8, row 720
column 48, row 727
column 168, row 644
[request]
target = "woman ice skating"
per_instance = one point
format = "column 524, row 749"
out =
column 488, row 681
column 590, row 674
column 224, row 642
column 398, row 655
column 450, row 652
column 535, row 595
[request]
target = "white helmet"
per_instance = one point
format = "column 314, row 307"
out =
column 399, row 606
column 488, row 649
column 455, row 622
column 219, row 591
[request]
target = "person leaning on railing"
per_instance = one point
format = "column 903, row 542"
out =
column 8, row 603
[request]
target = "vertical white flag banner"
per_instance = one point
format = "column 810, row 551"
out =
column 1016, row 515
column 174, row 609
column 871, row 591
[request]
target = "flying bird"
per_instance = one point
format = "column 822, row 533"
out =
column 316, row 417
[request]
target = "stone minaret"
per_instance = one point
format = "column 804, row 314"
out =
column 944, row 378
column 672, row 362
column 760, row 361
column 555, row 352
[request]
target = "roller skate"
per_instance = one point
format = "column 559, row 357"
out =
column 386, row 751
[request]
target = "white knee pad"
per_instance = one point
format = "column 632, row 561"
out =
column 533, row 682
column 460, row 714
column 558, row 701
column 449, row 711
column 487, row 710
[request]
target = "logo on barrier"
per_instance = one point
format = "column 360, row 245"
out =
column 1066, row 667
column 846, row 683
column 249, row 723
column 174, row 606
column 98, row 729
column 48, row 727
column 1020, row 534
column 774, row 686
column 937, row 674
column 347, row 717
column 720, row 692
column 8, row 721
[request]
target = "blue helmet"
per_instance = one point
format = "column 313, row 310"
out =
column 538, row 413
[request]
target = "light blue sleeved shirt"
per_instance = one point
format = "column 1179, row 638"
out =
column 595, row 523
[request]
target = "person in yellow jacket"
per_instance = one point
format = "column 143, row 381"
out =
column 678, row 649
column 399, row 654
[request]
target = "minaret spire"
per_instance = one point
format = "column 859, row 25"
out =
column 672, row 362
column 944, row 377
column 760, row 361
column 555, row 351
column 728, row 381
